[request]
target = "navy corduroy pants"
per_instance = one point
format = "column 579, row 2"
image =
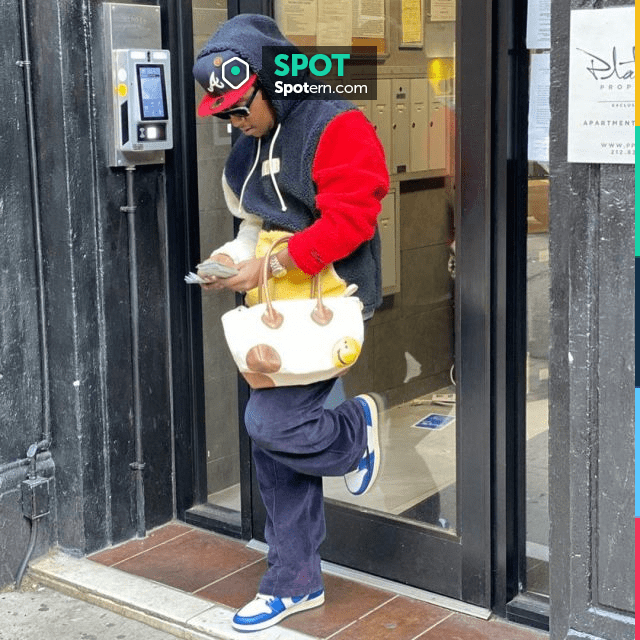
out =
column 296, row 441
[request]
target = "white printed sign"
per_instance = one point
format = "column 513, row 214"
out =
column 539, row 24
column 539, row 111
column 602, row 66
column 443, row 10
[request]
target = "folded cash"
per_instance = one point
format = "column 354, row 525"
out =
column 193, row 278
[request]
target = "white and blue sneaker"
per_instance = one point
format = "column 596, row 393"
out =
column 361, row 479
column 265, row 611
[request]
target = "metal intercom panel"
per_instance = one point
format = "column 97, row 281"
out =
column 138, row 85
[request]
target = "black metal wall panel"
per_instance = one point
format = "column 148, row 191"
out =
column 86, row 272
column 591, row 372
column 66, row 150
column 615, row 473
column 21, row 398
column 20, row 390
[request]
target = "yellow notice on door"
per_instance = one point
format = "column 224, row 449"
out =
column 412, row 22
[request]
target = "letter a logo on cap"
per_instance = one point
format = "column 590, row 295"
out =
column 214, row 83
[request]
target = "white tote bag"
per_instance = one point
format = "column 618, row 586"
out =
column 292, row 342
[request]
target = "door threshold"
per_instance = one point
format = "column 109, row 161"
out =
column 530, row 610
column 215, row 518
column 395, row 587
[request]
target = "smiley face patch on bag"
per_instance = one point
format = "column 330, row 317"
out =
column 346, row 352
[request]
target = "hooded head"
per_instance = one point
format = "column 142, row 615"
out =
column 231, row 62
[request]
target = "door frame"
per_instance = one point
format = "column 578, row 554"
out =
column 489, row 570
column 510, row 135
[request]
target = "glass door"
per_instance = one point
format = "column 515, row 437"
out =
column 426, row 522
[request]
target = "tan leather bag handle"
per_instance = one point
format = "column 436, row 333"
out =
column 273, row 318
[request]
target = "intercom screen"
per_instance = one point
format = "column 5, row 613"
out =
column 152, row 92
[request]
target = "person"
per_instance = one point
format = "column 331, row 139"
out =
column 321, row 175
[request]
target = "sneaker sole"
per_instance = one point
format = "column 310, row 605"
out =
column 374, row 409
column 296, row 608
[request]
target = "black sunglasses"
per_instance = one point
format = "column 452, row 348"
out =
column 239, row 112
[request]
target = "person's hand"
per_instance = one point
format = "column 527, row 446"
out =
column 249, row 275
column 247, row 278
column 212, row 282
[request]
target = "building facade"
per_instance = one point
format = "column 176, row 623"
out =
column 504, row 279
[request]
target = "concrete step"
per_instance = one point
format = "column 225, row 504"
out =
column 157, row 605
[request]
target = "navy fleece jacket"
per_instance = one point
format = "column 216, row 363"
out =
column 332, row 173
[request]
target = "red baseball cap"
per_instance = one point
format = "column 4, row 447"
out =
column 225, row 77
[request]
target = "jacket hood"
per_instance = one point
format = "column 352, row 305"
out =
column 245, row 36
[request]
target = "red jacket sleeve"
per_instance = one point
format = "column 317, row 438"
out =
column 351, row 178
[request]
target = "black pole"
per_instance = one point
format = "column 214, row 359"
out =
column 138, row 465
column 25, row 63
